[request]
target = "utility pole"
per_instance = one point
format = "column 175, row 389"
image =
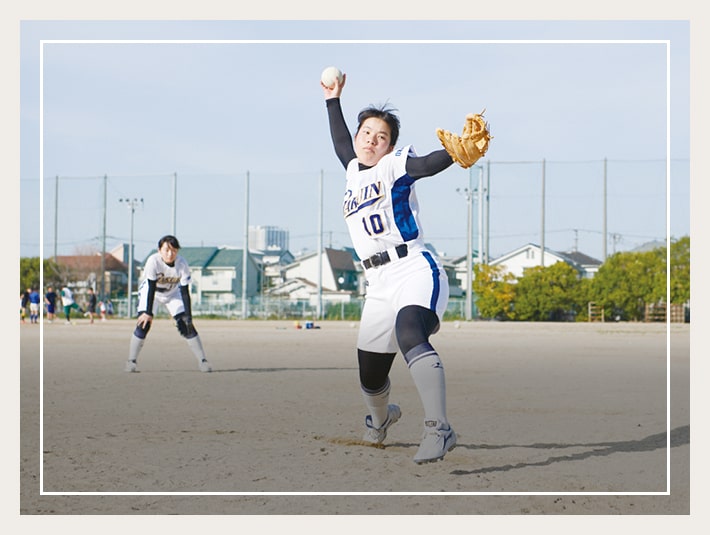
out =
column 102, row 291
column 319, row 307
column 56, row 214
column 487, row 203
column 604, row 237
column 174, row 222
column 480, row 214
column 245, row 254
column 468, row 194
column 542, row 230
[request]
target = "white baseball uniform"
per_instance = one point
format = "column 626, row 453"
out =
column 168, row 281
column 382, row 213
column 67, row 297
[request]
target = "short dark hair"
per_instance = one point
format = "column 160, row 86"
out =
column 171, row 240
column 384, row 112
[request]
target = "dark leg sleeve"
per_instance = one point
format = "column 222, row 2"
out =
column 374, row 369
column 414, row 326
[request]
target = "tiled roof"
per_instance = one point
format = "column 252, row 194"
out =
column 92, row 262
column 581, row 259
column 341, row 260
column 227, row 258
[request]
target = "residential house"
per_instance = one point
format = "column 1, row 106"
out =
column 339, row 277
column 271, row 263
column 530, row 255
column 585, row 264
column 457, row 270
column 85, row 271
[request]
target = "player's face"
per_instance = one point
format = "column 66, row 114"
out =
column 168, row 253
column 372, row 141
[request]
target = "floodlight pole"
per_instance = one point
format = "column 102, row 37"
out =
column 132, row 204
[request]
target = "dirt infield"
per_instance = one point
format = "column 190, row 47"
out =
column 551, row 419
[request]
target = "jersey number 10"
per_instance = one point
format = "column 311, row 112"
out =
column 373, row 224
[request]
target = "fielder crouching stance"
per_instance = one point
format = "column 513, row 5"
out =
column 167, row 281
column 407, row 288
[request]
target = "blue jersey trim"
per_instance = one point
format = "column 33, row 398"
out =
column 403, row 217
column 435, row 276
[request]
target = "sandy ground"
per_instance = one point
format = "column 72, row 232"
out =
column 553, row 419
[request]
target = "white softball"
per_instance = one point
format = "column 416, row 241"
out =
column 329, row 76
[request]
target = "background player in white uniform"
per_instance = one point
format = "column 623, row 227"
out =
column 407, row 288
column 68, row 303
column 167, row 282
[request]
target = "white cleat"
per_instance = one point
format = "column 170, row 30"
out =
column 205, row 366
column 439, row 438
column 130, row 366
column 378, row 435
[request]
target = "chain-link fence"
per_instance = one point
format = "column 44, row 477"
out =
column 262, row 308
column 597, row 207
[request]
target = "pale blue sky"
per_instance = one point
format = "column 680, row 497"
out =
column 211, row 112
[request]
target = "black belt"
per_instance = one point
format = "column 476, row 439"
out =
column 385, row 257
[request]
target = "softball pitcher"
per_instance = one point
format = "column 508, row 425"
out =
column 167, row 282
column 407, row 288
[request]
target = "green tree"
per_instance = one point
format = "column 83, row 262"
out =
column 551, row 293
column 53, row 274
column 680, row 270
column 495, row 291
column 629, row 280
column 29, row 273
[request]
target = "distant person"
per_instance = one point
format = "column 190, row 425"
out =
column 26, row 301
column 68, row 303
column 109, row 308
column 23, row 312
column 91, row 304
column 34, row 306
column 166, row 281
column 102, row 310
column 50, row 300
